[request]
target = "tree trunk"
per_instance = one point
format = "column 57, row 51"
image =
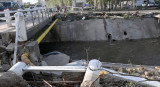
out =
column 62, row 4
column 116, row 4
column 112, row 4
column 99, row 4
column 95, row 4
column 120, row 4
column 102, row 3
column 147, row 3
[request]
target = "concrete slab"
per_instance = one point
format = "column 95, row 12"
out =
column 10, row 47
column 60, row 59
column 1, row 70
column 10, row 79
column 1, row 73
column 34, row 51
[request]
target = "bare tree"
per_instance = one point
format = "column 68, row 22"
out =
column 147, row 3
column 62, row 4
column 95, row 4
column 112, row 4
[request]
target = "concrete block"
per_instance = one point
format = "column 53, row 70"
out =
column 60, row 59
column 5, row 37
column 34, row 51
column 10, row 47
column 1, row 43
column 6, row 67
column 43, row 63
column 1, row 69
column 2, row 52
column 1, row 73
column 10, row 79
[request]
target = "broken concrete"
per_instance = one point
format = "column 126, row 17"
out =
column 57, row 59
column 1, row 69
column 10, row 47
column 10, row 79
column 5, row 38
column 34, row 51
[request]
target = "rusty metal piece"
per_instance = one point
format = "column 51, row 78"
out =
column 25, row 59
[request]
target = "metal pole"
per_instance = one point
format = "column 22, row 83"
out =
column 46, row 32
column 16, row 40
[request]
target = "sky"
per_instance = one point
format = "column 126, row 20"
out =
column 31, row 1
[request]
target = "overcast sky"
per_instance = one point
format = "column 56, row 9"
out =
column 32, row 1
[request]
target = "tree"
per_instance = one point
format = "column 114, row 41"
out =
column 59, row 2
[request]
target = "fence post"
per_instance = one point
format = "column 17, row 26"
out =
column 8, row 17
column 42, row 14
column 45, row 13
column 32, row 17
column 48, row 12
column 38, row 15
column 21, row 34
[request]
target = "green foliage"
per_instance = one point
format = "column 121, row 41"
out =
column 52, row 3
column 26, row 5
column 131, row 84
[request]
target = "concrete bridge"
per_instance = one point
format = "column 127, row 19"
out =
column 27, row 57
column 34, row 19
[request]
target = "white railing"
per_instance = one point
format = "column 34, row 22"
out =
column 31, row 15
column 21, row 19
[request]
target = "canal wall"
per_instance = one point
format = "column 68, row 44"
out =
column 104, row 29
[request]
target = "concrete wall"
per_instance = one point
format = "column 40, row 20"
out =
column 94, row 30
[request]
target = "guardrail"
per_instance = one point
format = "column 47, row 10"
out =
column 21, row 17
column 29, row 14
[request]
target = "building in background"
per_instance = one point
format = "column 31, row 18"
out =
column 42, row 2
column 78, row 3
column 20, row 1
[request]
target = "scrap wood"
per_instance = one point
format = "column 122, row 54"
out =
column 47, row 83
